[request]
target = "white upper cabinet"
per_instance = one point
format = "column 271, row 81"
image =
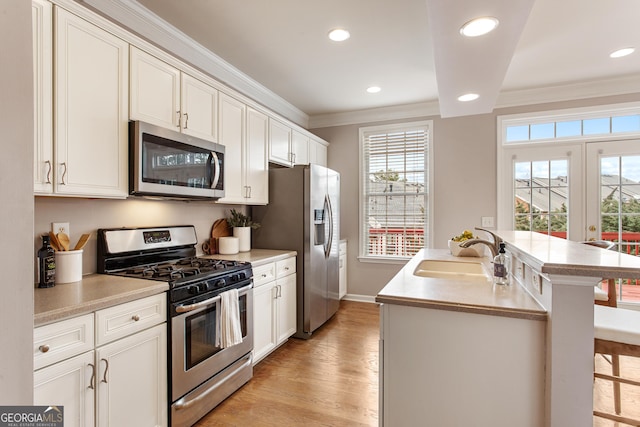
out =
column 91, row 109
column 317, row 153
column 289, row 147
column 256, row 164
column 163, row 95
column 299, row 148
column 232, row 121
column 279, row 143
column 243, row 132
column 42, row 26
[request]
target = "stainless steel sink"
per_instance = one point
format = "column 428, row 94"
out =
column 465, row 270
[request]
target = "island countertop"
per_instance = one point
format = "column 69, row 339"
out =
column 553, row 255
column 475, row 296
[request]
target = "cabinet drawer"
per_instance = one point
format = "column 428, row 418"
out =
column 125, row 319
column 62, row 340
column 264, row 274
column 286, row 267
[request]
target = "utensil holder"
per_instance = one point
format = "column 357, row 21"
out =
column 68, row 266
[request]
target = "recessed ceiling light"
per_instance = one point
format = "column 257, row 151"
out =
column 373, row 89
column 339, row 35
column 479, row 26
column 622, row 52
column 468, row 97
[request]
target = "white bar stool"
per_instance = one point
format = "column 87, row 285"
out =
column 617, row 333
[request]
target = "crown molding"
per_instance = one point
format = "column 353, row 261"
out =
column 396, row 112
column 149, row 26
column 570, row 91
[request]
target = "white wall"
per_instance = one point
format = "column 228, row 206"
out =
column 16, row 189
column 464, row 187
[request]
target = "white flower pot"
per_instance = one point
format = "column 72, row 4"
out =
column 244, row 238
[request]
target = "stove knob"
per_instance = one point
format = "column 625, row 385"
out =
column 220, row 283
column 193, row 289
column 243, row 275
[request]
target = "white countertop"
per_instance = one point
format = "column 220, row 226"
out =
column 553, row 255
column 256, row 256
column 477, row 296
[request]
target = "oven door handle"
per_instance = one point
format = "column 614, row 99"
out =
column 191, row 307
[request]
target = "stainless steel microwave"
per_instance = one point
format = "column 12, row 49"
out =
column 166, row 163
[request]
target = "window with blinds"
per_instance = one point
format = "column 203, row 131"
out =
column 393, row 182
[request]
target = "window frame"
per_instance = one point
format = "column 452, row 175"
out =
column 427, row 126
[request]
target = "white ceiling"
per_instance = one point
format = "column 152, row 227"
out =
column 283, row 45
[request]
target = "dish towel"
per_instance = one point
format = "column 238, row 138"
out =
column 230, row 329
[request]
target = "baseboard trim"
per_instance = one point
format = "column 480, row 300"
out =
column 360, row 298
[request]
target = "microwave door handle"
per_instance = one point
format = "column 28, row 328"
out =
column 216, row 169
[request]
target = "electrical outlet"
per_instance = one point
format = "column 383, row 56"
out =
column 536, row 281
column 487, row 221
column 60, row 227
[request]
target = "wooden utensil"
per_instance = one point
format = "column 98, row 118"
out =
column 53, row 240
column 63, row 241
column 82, row 241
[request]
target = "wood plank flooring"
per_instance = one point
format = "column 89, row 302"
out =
column 332, row 380
column 328, row 380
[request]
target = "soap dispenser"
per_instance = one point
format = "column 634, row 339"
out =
column 500, row 271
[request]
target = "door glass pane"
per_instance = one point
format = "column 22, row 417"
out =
column 620, row 212
column 541, row 196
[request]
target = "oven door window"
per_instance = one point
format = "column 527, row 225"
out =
column 202, row 329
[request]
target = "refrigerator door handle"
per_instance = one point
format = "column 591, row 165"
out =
column 329, row 241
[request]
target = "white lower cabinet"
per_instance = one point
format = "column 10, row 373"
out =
column 116, row 380
column 274, row 302
column 342, row 272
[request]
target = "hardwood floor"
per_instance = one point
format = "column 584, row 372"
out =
column 332, row 380
column 328, row 380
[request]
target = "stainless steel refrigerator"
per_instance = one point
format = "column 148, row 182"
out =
column 303, row 215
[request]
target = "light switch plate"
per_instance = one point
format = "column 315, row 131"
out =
column 536, row 281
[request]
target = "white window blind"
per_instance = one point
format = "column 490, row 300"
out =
column 394, row 198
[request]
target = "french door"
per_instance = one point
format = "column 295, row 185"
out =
column 613, row 202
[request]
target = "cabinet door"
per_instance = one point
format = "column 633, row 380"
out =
column 132, row 380
column 264, row 321
column 42, row 27
column 257, row 164
column 286, row 307
column 199, row 108
column 71, row 384
column 317, row 153
column 279, row 143
column 343, row 271
column 232, row 115
column 91, row 92
column 155, row 90
column 300, row 148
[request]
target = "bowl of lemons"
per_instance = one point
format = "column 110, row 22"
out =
column 471, row 251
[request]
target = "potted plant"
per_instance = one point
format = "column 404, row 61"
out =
column 242, row 225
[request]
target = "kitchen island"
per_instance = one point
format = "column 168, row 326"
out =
column 458, row 352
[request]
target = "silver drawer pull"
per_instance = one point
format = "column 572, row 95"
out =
column 264, row 274
column 135, row 317
column 44, row 348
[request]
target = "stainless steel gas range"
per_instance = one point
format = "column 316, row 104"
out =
column 201, row 373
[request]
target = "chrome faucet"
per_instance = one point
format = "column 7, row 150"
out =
column 493, row 246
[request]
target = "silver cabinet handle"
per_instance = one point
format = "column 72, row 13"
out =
column 249, row 187
column 48, row 163
column 135, row 318
column 92, row 381
column 106, row 369
column 178, row 119
column 64, row 174
column 186, row 120
column 44, row 348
